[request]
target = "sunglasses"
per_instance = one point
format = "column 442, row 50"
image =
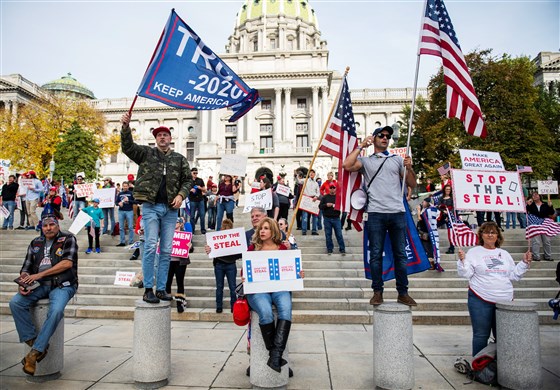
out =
column 383, row 135
column 491, row 233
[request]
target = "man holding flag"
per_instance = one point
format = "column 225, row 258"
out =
column 386, row 212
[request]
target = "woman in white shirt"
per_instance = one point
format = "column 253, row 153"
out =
column 489, row 270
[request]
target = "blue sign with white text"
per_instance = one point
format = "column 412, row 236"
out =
column 185, row 73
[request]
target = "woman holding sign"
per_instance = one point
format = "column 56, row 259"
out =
column 268, row 237
column 489, row 270
column 225, row 202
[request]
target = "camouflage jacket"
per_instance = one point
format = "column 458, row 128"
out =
column 152, row 162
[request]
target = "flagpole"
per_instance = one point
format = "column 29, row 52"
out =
column 316, row 152
column 410, row 119
column 453, row 229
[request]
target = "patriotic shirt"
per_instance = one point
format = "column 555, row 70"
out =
column 490, row 272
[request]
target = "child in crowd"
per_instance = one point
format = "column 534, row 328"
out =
column 212, row 196
column 96, row 215
column 178, row 268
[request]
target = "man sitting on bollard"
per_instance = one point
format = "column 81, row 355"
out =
column 50, row 270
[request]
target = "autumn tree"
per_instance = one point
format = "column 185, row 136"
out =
column 31, row 138
column 548, row 105
column 508, row 99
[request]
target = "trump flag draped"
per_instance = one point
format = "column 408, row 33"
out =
column 340, row 140
column 438, row 38
column 185, row 73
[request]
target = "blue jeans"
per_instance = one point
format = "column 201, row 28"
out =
column 262, row 304
column 228, row 208
column 79, row 205
column 320, row 220
column 11, row 206
column 129, row 216
column 522, row 218
column 510, row 216
column 20, row 307
column 159, row 224
column 304, row 216
column 197, row 211
column 222, row 270
column 378, row 225
column 108, row 213
column 330, row 225
column 212, row 217
column 483, row 320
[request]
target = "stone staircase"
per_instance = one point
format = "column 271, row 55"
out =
column 335, row 288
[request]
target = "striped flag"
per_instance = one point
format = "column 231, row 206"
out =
column 340, row 140
column 444, row 169
column 524, row 169
column 537, row 226
column 71, row 208
column 459, row 234
column 438, row 38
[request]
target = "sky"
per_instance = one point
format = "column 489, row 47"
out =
column 106, row 45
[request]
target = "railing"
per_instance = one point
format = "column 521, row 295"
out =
column 303, row 149
column 229, row 151
column 267, row 150
column 387, row 93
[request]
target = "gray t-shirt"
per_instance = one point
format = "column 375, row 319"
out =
column 384, row 194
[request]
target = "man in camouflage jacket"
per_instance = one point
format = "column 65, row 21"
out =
column 162, row 183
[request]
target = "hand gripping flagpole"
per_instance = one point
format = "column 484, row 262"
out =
column 316, row 152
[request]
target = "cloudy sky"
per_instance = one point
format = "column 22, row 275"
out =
column 106, row 45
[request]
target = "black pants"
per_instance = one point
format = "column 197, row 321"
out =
column 179, row 271
column 90, row 238
column 284, row 208
column 23, row 214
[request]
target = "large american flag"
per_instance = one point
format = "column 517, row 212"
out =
column 438, row 38
column 458, row 233
column 340, row 140
column 537, row 226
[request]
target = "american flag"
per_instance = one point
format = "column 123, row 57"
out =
column 438, row 38
column 340, row 140
column 444, row 169
column 524, row 169
column 459, row 234
column 537, row 226
column 71, row 208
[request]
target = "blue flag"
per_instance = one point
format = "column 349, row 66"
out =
column 185, row 73
column 417, row 259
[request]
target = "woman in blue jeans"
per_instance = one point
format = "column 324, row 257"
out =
column 267, row 237
column 225, row 202
column 489, row 270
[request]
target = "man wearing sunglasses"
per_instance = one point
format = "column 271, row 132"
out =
column 386, row 213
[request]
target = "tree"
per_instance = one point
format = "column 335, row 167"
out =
column 31, row 138
column 515, row 127
column 77, row 152
column 417, row 144
column 548, row 105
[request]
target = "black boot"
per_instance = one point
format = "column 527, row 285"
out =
column 135, row 254
column 268, row 331
column 280, row 340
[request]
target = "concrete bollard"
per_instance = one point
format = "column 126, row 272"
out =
column 152, row 344
column 518, row 345
column 262, row 376
column 393, row 350
column 49, row 368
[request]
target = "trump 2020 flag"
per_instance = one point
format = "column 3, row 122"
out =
column 185, row 73
column 417, row 259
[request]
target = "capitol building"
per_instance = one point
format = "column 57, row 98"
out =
column 277, row 48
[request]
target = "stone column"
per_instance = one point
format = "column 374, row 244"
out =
column 262, row 376
column 204, row 125
column 152, row 344
column 518, row 345
column 316, row 115
column 288, row 125
column 393, row 351
column 388, row 118
column 278, row 115
column 49, row 368
column 324, row 109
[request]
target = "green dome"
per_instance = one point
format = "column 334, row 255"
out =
column 254, row 9
column 68, row 85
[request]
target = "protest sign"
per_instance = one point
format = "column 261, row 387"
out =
column 271, row 271
column 283, row 190
column 487, row 191
column 547, row 187
column 226, row 242
column 81, row 220
column 234, row 165
column 308, row 204
column 181, row 244
column 82, row 174
column 106, row 197
column 84, row 190
column 4, row 212
column 481, row 161
column 258, row 199
column 4, row 169
column 400, row 151
column 26, row 183
column 123, row 278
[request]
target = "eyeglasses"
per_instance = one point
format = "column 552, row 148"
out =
column 383, row 135
column 491, row 233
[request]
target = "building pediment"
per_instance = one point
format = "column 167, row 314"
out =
column 265, row 116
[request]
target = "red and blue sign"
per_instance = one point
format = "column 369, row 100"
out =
column 187, row 74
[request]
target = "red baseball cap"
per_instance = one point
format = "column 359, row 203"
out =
column 241, row 312
column 158, row 130
column 130, row 177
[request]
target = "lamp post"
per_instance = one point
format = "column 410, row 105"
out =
column 97, row 169
column 396, row 132
column 51, row 169
column 127, row 164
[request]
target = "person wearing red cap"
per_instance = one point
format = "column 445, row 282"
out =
column 331, row 218
column 163, row 182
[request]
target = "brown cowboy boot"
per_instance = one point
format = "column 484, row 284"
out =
column 31, row 359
